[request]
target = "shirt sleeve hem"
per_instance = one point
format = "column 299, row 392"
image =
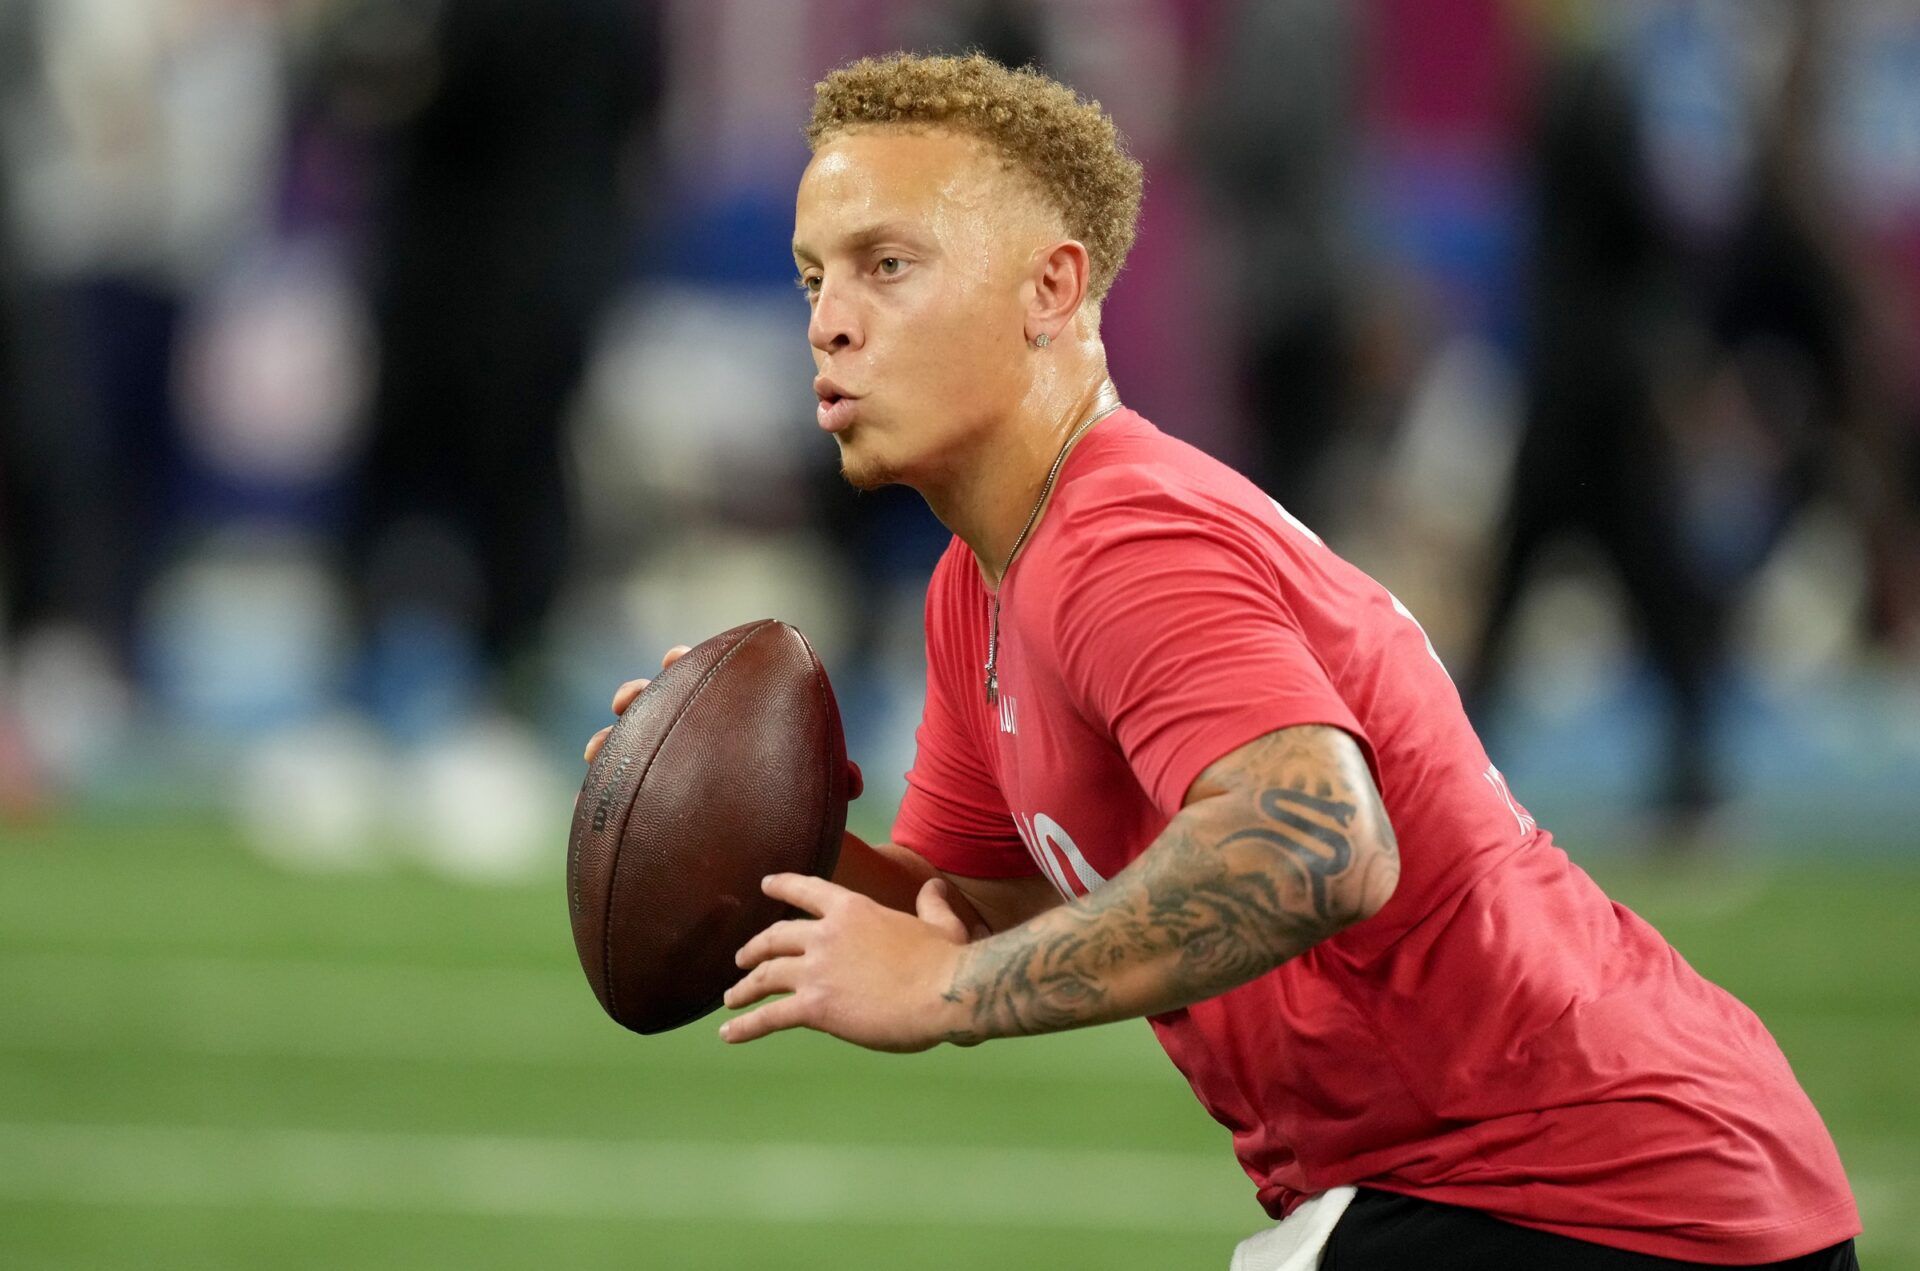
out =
column 1234, row 731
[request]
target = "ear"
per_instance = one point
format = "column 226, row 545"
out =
column 1061, row 275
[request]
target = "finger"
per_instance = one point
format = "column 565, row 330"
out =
column 804, row 891
column 931, row 904
column 777, row 976
column 596, row 741
column 856, row 784
column 788, row 1012
column 781, row 940
column 674, row 654
column 624, row 695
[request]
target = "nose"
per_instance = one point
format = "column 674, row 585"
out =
column 835, row 325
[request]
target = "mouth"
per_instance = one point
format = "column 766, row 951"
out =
column 836, row 409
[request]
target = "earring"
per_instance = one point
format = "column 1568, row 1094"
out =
column 1042, row 340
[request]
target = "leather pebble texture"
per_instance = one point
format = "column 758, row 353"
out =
column 730, row 766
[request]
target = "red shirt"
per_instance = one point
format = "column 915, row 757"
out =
column 1500, row 1035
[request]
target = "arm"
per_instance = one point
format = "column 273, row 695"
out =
column 893, row 876
column 1280, row 844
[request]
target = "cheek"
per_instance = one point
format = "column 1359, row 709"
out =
column 962, row 336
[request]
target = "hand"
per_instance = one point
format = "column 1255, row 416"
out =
column 857, row 970
column 625, row 695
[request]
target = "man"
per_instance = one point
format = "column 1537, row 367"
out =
column 1179, row 760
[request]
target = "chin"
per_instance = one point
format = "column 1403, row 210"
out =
column 864, row 471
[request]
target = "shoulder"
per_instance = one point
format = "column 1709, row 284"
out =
column 1145, row 491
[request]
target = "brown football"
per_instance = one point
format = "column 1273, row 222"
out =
column 728, row 767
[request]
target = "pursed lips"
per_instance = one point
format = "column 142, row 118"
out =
column 837, row 406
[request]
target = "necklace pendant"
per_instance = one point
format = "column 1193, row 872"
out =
column 993, row 687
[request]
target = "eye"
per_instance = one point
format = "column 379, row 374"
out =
column 890, row 266
column 809, row 283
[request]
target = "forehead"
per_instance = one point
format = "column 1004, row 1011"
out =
column 927, row 177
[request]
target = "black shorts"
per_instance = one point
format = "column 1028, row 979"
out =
column 1382, row 1231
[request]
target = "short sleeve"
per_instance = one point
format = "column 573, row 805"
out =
column 953, row 813
column 1174, row 633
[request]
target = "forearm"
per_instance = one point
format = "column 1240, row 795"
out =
column 893, row 876
column 1236, row 885
column 882, row 872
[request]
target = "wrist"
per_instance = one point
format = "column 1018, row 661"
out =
column 951, row 1007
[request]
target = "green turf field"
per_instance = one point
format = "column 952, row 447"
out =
column 208, row 1063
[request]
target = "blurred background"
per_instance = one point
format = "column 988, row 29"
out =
column 383, row 381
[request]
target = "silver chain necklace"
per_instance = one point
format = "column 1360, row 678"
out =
column 1053, row 474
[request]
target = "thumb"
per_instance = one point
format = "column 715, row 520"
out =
column 932, row 907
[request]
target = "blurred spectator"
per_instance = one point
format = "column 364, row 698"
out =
column 500, row 145
column 1699, row 366
column 1874, row 172
column 501, row 228
column 1594, row 456
column 138, row 142
column 1801, row 400
column 1275, row 145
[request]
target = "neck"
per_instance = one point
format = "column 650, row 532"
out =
column 987, row 495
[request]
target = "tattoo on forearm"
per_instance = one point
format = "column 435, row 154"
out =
column 1211, row 904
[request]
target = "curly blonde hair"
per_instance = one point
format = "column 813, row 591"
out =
column 1066, row 145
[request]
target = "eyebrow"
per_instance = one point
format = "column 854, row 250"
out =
column 861, row 239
